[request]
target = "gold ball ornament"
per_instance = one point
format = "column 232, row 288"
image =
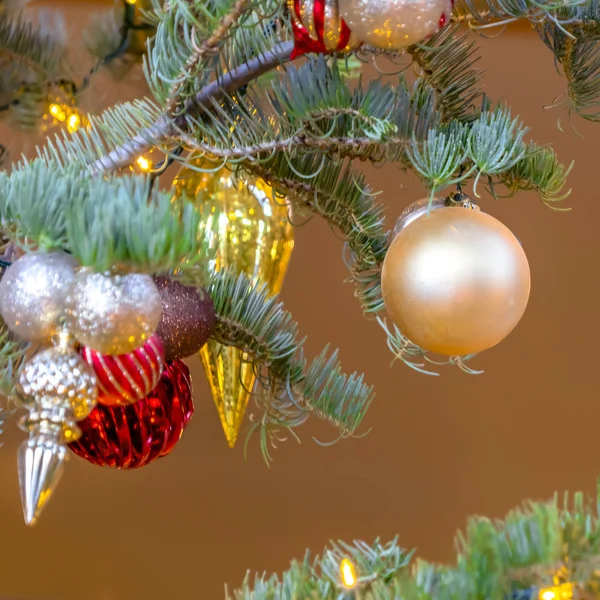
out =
column 456, row 281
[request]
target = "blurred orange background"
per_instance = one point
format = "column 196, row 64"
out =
column 440, row 449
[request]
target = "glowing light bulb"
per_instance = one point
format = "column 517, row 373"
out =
column 558, row 592
column 131, row 1
column 143, row 163
column 348, row 573
column 58, row 112
column 73, row 122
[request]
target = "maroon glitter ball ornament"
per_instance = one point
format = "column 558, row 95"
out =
column 134, row 435
column 187, row 319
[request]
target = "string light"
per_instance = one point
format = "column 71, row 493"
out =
column 557, row 592
column 58, row 112
column 348, row 573
column 144, row 164
column 73, row 122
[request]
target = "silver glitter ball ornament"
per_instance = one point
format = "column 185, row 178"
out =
column 395, row 24
column 113, row 314
column 33, row 294
column 59, row 381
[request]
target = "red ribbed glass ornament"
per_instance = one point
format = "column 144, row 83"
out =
column 129, row 377
column 133, row 435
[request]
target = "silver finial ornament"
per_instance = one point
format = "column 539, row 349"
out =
column 40, row 461
column 59, row 389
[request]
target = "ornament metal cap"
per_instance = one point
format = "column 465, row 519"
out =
column 41, row 460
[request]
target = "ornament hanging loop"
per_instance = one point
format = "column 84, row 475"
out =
column 461, row 200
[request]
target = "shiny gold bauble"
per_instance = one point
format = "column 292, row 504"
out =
column 456, row 281
column 252, row 235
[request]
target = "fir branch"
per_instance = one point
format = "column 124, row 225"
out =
column 500, row 12
column 362, row 148
column 440, row 158
column 540, row 547
column 579, row 55
column 109, row 222
column 494, row 143
column 343, row 198
column 447, row 66
column 538, row 170
column 201, row 50
column 34, row 68
column 162, row 129
column 313, row 109
column 570, row 29
column 194, row 31
column 33, row 48
column 255, row 322
column 12, row 353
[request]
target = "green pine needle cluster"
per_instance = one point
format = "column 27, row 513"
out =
column 536, row 548
column 106, row 223
column 12, row 353
column 249, row 318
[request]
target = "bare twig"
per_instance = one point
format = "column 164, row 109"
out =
column 343, row 147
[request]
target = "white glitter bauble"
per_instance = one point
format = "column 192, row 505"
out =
column 395, row 24
column 33, row 294
column 114, row 314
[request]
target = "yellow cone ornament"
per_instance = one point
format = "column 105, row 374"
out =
column 253, row 236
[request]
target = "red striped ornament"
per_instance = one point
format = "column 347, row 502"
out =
column 127, row 378
column 318, row 27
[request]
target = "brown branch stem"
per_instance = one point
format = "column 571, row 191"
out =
column 208, row 46
column 342, row 147
column 164, row 128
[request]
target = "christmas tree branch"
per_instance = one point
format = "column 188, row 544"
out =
column 12, row 353
column 163, row 128
column 538, row 170
column 36, row 49
column 109, row 222
column 33, row 66
column 447, row 67
column 201, row 50
column 255, row 322
column 312, row 109
column 542, row 550
column 499, row 12
column 578, row 51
